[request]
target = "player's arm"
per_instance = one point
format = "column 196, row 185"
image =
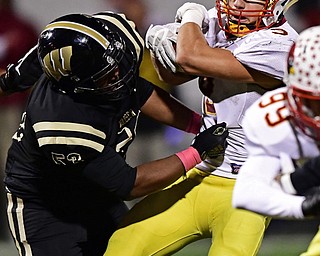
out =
column 164, row 108
column 159, row 174
column 113, row 173
column 255, row 190
column 198, row 58
column 170, row 77
column 21, row 75
column 192, row 54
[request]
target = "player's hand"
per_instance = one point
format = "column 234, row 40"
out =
column 212, row 141
column 161, row 40
column 193, row 12
column 311, row 205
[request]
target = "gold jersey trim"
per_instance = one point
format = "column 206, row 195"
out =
column 66, row 126
column 70, row 141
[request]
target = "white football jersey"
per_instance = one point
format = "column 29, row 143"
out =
column 263, row 50
column 271, row 142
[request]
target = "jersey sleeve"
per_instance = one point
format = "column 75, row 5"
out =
column 266, row 124
column 22, row 75
column 266, row 51
column 255, row 189
column 110, row 171
column 144, row 90
column 214, row 27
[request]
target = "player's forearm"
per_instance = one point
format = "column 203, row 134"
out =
column 191, row 48
column 164, row 108
column 156, row 175
column 168, row 76
column 256, row 191
column 263, row 199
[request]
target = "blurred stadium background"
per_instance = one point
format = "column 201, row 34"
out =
column 287, row 238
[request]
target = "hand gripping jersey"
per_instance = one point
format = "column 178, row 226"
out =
column 264, row 50
column 271, row 142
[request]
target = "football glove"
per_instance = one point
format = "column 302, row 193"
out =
column 161, row 40
column 311, row 205
column 192, row 12
column 212, row 141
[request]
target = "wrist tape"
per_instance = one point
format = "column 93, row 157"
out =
column 189, row 158
column 192, row 16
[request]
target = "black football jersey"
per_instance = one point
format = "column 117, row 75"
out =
column 66, row 146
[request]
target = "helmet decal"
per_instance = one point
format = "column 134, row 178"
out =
column 57, row 62
column 126, row 31
column 80, row 28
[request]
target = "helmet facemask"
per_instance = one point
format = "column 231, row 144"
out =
column 239, row 21
column 115, row 80
column 236, row 19
column 305, row 111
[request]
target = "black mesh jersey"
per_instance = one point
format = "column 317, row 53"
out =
column 64, row 146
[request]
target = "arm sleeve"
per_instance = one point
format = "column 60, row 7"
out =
column 22, row 75
column 266, row 52
column 144, row 90
column 256, row 191
column 111, row 171
column 307, row 176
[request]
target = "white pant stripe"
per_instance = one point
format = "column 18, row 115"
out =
column 19, row 227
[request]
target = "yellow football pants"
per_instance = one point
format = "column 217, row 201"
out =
column 193, row 208
column 314, row 247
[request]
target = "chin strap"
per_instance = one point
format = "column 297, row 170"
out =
column 239, row 30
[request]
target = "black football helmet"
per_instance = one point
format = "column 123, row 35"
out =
column 89, row 55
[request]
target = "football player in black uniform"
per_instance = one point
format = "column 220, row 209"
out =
column 66, row 174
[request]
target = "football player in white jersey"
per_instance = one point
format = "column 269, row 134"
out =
column 282, row 125
column 242, row 55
